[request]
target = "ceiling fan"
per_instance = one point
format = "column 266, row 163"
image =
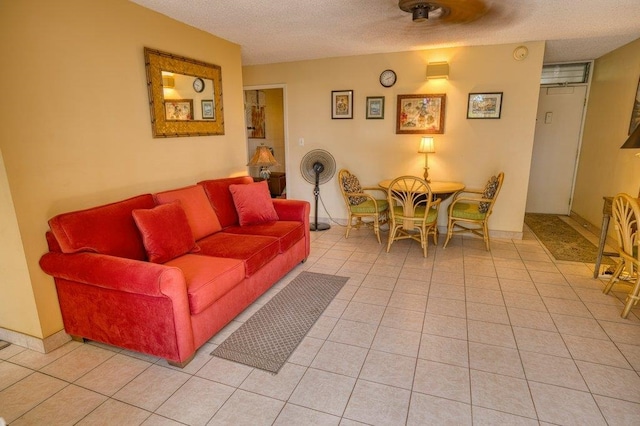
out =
column 446, row 11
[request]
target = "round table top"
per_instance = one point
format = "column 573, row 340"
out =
column 437, row 187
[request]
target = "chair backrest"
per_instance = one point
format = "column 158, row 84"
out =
column 349, row 183
column 498, row 185
column 626, row 216
column 412, row 194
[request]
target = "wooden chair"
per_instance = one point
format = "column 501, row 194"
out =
column 470, row 209
column 413, row 211
column 626, row 218
column 362, row 204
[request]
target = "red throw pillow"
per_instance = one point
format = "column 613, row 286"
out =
column 165, row 232
column 253, row 203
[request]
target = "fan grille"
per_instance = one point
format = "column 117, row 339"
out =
column 317, row 156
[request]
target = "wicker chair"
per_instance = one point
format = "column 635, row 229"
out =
column 469, row 210
column 362, row 204
column 412, row 208
column 626, row 218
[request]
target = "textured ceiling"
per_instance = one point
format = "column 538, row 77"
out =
column 271, row 31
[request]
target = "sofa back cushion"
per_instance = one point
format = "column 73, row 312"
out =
column 200, row 214
column 218, row 192
column 107, row 229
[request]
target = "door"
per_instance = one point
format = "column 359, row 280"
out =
column 555, row 149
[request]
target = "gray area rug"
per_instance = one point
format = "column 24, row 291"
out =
column 564, row 242
column 267, row 339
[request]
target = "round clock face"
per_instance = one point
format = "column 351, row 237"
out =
column 388, row 78
column 198, row 85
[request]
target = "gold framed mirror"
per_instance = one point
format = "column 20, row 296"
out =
column 185, row 95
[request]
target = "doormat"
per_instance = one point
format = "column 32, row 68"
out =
column 562, row 240
column 269, row 337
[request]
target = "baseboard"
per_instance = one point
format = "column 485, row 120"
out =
column 34, row 343
column 595, row 230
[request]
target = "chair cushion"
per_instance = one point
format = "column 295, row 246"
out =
column 369, row 207
column 208, row 278
column 254, row 250
column 253, row 203
column 489, row 192
column 287, row 232
column 468, row 211
column 200, row 214
column 351, row 183
column 165, row 232
column 398, row 212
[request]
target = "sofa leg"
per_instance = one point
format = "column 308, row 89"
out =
column 77, row 338
column 183, row 363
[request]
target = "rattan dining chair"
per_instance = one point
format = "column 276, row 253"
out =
column 470, row 209
column 625, row 212
column 413, row 212
column 362, row 204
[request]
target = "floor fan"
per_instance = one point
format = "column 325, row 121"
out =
column 317, row 167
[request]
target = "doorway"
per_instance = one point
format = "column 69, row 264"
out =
column 555, row 149
column 265, row 124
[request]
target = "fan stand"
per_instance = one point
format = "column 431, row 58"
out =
column 315, row 226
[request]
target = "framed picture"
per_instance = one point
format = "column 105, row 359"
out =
column 178, row 109
column 635, row 112
column 484, row 105
column 208, row 109
column 341, row 104
column 375, row 107
column 420, row 114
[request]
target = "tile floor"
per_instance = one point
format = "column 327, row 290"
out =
column 464, row 336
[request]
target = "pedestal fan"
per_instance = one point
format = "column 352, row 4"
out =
column 317, row 167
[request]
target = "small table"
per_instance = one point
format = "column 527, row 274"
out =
column 440, row 189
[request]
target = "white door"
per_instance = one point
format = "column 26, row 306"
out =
column 555, row 149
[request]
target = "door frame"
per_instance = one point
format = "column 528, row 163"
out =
column 285, row 118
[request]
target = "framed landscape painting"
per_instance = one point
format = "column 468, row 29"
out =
column 484, row 105
column 420, row 114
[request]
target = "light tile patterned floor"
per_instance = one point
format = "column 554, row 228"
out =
column 462, row 337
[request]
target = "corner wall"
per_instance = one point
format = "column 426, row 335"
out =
column 76, row 128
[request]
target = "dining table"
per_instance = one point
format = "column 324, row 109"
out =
column 440, row 189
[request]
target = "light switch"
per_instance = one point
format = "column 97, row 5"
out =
column 548, row 118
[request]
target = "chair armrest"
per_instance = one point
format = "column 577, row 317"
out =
column 376, row 189
column 296, row 210
column 116, row 273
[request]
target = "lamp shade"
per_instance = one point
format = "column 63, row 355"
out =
column 427, row 145
column 263, row 157
column 633, row 142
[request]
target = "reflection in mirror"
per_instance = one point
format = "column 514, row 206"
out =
column 185, row 95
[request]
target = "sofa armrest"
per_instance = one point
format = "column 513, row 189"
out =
column 115, row 273
column 292, row 209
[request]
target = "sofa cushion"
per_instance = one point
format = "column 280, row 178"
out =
column 287, row 232
column 107, row 229
column 208, row 278
column 217, row 191
column 165, row 232
column 254, row 250
column 200, row 214
column 253, row 203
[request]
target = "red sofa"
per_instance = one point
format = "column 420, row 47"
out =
column 162, row 273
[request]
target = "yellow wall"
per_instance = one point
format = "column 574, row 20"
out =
column 604, row 169
column 469, row 151
column 76, row 129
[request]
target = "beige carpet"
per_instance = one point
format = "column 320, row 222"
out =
column 267, row 339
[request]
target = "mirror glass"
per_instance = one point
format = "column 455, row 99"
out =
column 185, row 95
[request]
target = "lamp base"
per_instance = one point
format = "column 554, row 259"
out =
column 265, row 173
column 426, row 175
column 320, row 227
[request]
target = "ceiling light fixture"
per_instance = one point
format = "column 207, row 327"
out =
column 421, row 9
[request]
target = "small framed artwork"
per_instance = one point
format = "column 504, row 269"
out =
column 635, row 112
column 341, row 104
column 208, row 109
column 484, row 105
column 178, row 109
column 375, row 107
column 421, row 114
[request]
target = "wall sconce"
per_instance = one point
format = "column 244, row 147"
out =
column 168, row 82
column 437, row 70
column 427, row 146
column 264, row 159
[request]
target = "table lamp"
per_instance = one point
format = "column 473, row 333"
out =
column 427, row 146
column 264, row 159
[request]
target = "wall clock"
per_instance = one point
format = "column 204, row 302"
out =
column 388, row 78
column 198, row 85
